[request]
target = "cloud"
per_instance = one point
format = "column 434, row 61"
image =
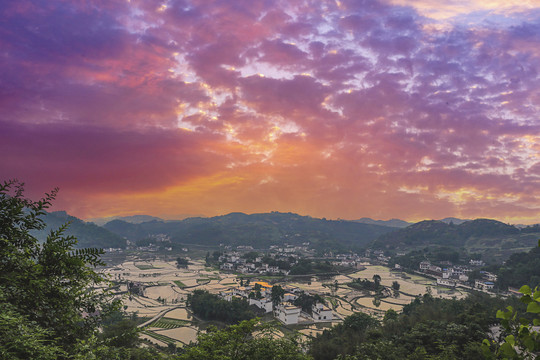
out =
column 351, row 108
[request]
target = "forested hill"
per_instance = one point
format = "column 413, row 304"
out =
column 257, row 230
column 87, row 234
column 480, row 235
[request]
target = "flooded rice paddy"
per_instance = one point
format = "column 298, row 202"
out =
column 165, row 289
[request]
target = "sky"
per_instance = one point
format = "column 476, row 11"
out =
column 410, row 109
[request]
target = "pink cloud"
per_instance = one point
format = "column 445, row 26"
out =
column 360, row 103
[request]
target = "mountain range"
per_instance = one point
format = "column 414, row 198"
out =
column 485, row 236
column 257, row 230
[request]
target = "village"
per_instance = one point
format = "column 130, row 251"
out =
column 279, row 300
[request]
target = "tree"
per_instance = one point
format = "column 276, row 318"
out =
column 238, row 342
column 277, row 294
column 51, row 287
column 395, row 288
column 377, row 280
column 181, row 263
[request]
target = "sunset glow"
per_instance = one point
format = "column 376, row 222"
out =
column 339, row 109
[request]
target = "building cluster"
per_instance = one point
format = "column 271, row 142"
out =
column 233, row 261
column 259, row 293
column 451, row 275
column 288, row 249
column 377, row 255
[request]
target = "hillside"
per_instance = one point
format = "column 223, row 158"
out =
column 521, row 269
column 257, row 230
column 397, row 223
column 134, row 219
column 87, row 234
column 496, row 240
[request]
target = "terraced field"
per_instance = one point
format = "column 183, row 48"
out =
column 167, row 340
column 168, row 323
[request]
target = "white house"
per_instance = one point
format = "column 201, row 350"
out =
column 226, row 295
column 446, row 282
column 287, row 313
column 476, row 262
column 264, row 303
column 227, row 266
column 320, row 312
column 484, row 285
column 424, row 265
column 289, row 297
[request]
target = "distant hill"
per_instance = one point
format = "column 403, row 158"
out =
column 490, row 237
column 453, row 220
column 134, row 219
column 257, row 230
column 397, row 223
column 87, row 234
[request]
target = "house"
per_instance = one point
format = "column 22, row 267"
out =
column 446, row 282
column 446, row 273
column 288, row 313
column 264, row 304
column 227, row 266
column 321, row 313
column 476, row 263
column 424, row 265
column 226, row 295
column 289, row 297
column 434, row 270
column 484, row 285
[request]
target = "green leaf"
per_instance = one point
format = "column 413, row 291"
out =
column 526, row 299
column 529, row 343
column 510, row 340
column 534, row 308
column 536, row 322
column 525, row 290
column 536, row 295
column 507, row 350
column 524, row 321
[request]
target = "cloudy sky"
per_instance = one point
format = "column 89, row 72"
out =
column 406, row 109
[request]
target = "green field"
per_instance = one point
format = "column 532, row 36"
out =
column 163, row 338
column 168, row 323
column 180, row 284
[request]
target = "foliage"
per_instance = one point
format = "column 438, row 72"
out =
column 305, row 266
column 520, row 269
column 522, row 340
column 343, row 338
column 181, row 263
column 366, row 284
column 306, row 301
column 211, row 307
column 277, row 294
column 239, row 342
column 21, row 338
column 428, row 328
column 49, row 285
